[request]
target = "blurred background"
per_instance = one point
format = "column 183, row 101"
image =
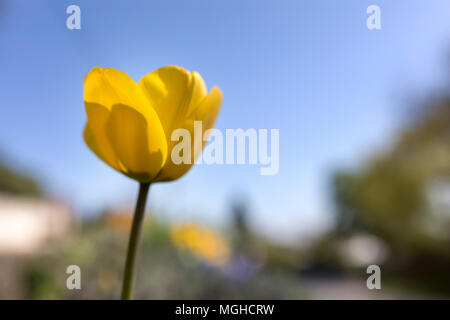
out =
column 364, row 119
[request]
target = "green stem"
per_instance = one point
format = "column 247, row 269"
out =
column 128, row 274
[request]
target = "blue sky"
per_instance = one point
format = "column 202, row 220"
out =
column 309, row 68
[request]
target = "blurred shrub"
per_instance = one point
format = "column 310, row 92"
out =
column 164, row 271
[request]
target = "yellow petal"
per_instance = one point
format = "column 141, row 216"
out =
column 92, row 143
column 174, row 93
column 209, row 108
column 179, row 98
column 138, row 142
column 166, row 88
column 95, row 135
column 109, row 86
column 198, row 91
column 130, row 139
column 206, row 112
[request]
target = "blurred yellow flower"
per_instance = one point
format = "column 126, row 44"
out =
column 130, row 124
column 202, row 242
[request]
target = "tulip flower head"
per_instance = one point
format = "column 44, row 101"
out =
column 129, row 125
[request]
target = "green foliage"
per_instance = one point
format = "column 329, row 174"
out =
column 390, row 197
column 18, row 183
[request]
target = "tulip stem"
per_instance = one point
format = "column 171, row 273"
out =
column 139, row 213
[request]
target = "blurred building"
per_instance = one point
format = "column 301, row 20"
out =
column 27, row 223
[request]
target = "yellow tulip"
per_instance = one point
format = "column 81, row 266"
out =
column 130, row 128
column 130, row 124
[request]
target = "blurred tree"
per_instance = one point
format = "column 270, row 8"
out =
column 243, row 237
column 390, row 195
column 403, row 194
column 17, row 183
column 246, row 242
